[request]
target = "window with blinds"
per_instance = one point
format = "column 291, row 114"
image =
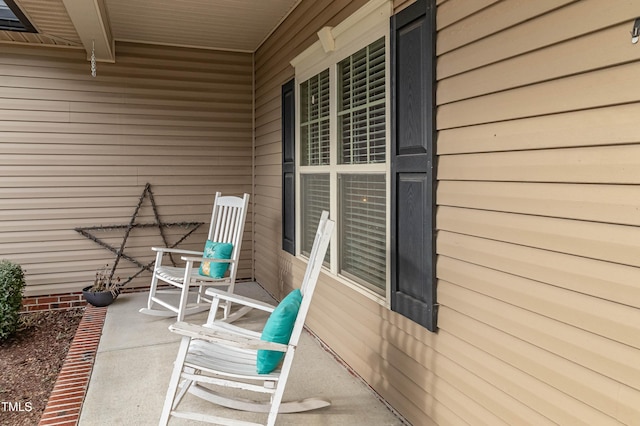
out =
column 363, row 228
column 343, row 146
column 314, row 120
column 361, row 106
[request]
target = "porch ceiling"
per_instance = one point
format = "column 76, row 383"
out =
column 239, row 25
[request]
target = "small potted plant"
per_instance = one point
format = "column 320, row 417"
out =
column 104, row 290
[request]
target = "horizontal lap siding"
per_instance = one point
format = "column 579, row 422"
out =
column 77, row 151
column 537, row 217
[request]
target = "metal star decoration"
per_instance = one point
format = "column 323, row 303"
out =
column 119, row 252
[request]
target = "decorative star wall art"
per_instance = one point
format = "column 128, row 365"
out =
column 119, row 251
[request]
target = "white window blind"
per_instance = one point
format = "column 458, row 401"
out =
column 314, row 120
column 315, row 198
column 361, row 106
column 363, row 228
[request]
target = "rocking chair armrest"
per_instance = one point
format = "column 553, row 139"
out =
column 177, row 251
column 242, row 300
column 224, row 337
column 205, row 259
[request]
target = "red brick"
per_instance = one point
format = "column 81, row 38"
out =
column 75, row 374
column 69, row 405
column 65, row 407
column 81, row 353
column 60, row 393
column 71, row 419
column 33, row 308
column 70, row 374
column 65, row 412
column 62, row 400
column 63, row 305
column 68, row 298
column 69, row 387
column 74, row 380
column 54, row 422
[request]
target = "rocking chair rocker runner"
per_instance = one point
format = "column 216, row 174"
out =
column 227, row 356
column 226, row 229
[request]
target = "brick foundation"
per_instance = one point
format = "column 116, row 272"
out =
column 52, row 302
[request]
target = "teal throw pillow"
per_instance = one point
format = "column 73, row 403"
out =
column 213, row 250
column 278, row 329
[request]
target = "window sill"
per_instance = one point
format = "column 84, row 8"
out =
column 340, row 279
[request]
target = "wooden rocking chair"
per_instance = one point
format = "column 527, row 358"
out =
column 228, row 357
column 226, row 229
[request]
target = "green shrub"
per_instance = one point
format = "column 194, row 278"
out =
column 11, row 285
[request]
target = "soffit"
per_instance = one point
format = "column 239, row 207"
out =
column 213, row 24
column 239, row 25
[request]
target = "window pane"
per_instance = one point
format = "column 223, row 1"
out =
column 315, row 199
column 363, row 228
column 314, row 120
column 361, row 106
column 12, row 18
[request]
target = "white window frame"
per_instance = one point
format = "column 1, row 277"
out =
column 365, row 26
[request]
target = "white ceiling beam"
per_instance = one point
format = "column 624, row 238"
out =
column 92, row 25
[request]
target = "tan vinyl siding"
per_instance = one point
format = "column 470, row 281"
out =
column 537, row 220
column 77, row 151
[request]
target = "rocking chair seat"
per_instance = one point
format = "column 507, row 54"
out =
column 176, row 275
column 215, row 359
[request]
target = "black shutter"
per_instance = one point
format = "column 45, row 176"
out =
column 413, row 291
column 289, row 167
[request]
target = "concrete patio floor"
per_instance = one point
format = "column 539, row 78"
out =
column 135, row 357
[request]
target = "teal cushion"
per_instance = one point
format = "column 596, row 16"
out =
column 213, row 250
column 278, row 329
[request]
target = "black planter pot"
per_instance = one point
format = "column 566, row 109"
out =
column 99, row 298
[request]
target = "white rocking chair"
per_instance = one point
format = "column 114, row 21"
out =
column 227, row 226
column 226, row 356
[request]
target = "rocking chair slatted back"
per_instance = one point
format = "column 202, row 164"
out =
column 225, row 218
column 230, row 212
